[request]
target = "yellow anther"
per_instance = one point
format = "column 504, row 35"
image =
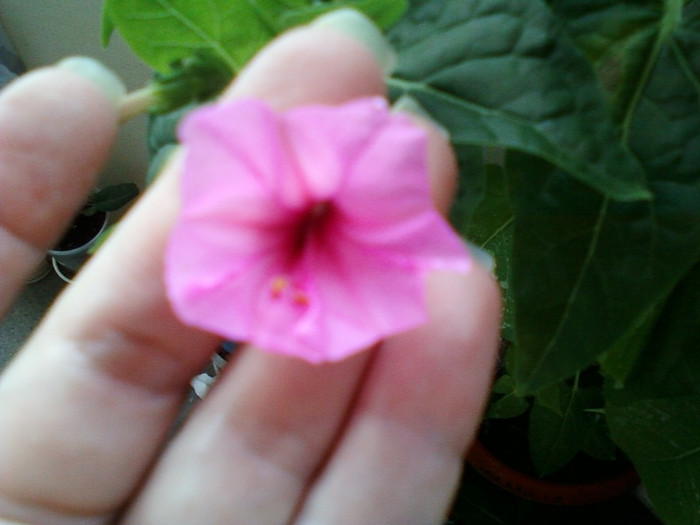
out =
column 300, row 298
column 278, row 285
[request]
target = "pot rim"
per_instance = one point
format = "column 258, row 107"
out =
column 544, row 491
column 81, row 248
column 57, row 268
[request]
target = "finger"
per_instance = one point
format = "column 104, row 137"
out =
column 275, row 415
column 101, row 380
column 400, row 457
column 56, row 129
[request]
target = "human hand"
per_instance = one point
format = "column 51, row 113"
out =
column 86, row 406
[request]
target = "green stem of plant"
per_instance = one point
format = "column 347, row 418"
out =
column 136, row 102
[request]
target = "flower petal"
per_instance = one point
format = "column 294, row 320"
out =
column 230, row 307
column 231, row 210
column 385, row 185
column 326, row 140
column 204, row 252
column 423, row 241
column 247, row 138
column 223, row 167
column 386, row 201
column 361, row 298
column 307, row 233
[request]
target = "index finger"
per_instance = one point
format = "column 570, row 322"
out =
column 43, row 116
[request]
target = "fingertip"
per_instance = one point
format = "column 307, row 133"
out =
column 56, row 132
column 473, row 297
column 99, row 75
column 442, row 161
column 310, row 64
column 360, row 27
column 482, row 257
column 443, row 169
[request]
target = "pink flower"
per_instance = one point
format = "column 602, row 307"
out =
column 308, row 232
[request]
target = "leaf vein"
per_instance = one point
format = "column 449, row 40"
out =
column 199, row 32
column 571, row 299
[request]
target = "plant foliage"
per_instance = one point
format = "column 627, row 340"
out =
column 111, row 198
column 164, row 32
column 595, row 102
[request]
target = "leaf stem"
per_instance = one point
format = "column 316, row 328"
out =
column 136, row 102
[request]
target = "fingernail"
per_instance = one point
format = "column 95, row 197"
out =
column 408, row 104
column 360, row 27
column 97, row 73
column 482, row 257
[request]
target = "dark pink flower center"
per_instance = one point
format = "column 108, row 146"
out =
column 312, row 223
column 309, row 227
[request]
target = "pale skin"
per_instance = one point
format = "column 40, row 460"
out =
column 86, row 406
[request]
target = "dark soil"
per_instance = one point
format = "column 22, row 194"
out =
column 83, row 229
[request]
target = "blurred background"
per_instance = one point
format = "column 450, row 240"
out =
column 45, row 31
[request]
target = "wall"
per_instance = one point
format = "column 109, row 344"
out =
column 44, row 31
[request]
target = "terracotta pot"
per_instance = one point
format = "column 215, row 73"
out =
column 544, row 491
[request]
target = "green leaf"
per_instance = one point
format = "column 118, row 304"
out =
column 162, row 128
column 556, row 437
column 197, row 78
column 604, row 29
column 471, row 188
column 612, row 34
column 655, row 419
column 163, row 32
column 555, row 440
column 507, row 407
column 503, row 385
column 107, row 28
column 620, row 359
column 587, row 271
column 111, row 198
column 494, row 214
column 504, row 73
column 662, row 437
column 551, row 397
column 385, row 13
column 505, row 403
column 643, row 58
column 490, row 226
column 597, row 441
column 669, row 365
